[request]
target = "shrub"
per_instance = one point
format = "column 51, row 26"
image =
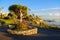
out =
column 2, row 22
column 27, row 18
column 12, row 26
column 23, row 27
column 6, row 17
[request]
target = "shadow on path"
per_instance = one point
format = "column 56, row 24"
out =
column 49, row 35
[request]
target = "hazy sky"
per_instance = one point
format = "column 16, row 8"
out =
column 32, row 4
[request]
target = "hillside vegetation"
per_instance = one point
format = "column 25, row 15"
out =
column 19, row 19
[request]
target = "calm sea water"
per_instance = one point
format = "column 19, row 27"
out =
column 55, row 21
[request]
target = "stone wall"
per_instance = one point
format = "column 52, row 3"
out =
column 27, row 32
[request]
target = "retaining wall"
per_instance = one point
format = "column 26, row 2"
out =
column 26, row 32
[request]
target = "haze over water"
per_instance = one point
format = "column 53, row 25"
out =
column 55, row 20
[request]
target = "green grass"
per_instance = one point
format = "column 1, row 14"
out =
column 9, row 21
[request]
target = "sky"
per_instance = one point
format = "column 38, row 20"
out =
column 39, row 7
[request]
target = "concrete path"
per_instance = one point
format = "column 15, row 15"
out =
column 43, row 34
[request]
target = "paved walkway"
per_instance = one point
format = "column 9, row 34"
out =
column 43, row 34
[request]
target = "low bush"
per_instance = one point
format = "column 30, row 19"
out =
column 6, row 18
column 2, row 22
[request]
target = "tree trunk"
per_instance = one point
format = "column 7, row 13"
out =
column 20, row 16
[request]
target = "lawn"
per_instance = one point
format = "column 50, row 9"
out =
column 9, row 21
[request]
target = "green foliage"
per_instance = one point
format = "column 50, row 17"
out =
column 21, row 27
column 9, row 14
column 16, row 8
column 9, row 21
column 2, row 22
column 24, row 7
column 27, row 18
column 12, row 16
column 35, row 22
column 38, row 17
column 6, row 18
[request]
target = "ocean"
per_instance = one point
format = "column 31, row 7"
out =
column 52, row 20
